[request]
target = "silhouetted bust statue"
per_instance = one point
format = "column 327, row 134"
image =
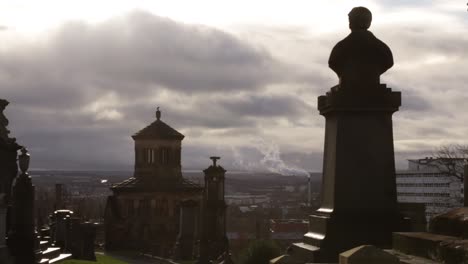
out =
column 360, row 58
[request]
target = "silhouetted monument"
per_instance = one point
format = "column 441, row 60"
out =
column 8, row 171
column 17, row 206
column 213, row 240
column 359, row 203
column 23, row 236
column 143, row 212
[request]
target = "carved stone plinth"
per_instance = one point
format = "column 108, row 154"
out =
column 359, row 203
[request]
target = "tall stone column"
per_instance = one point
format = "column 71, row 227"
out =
column 23, row 235
column 359, row 202
column 213, row 241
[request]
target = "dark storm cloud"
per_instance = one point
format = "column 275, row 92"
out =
column 268, row 106
column 82, row 149
column 218, row 111
column 131, row 55
column 211, row 86
column 146, row 49
column 60, row 85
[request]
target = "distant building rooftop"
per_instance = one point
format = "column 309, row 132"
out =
column 158, row 130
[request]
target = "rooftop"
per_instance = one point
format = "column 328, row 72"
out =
column 158, row 130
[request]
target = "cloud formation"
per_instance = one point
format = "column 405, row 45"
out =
column 79, row 92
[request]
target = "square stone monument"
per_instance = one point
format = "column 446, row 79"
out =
column 359, row 202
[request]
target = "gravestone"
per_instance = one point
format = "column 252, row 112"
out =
column 61, row 222
column 83, row 236
column 359, row 203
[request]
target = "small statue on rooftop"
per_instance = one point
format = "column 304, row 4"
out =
column 360, row 58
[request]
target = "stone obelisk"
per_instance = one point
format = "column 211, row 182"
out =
column 359, row 203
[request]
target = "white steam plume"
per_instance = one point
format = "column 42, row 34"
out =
column 271, row 161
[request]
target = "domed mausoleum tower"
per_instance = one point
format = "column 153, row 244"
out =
column 143, row 212
column 157, row 152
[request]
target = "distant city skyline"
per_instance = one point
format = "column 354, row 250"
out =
column 239, row 79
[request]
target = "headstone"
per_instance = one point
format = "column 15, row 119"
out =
column 61, row 228
column 359, row 203
column 82, row 240
column 367, row 254
column 58, row 196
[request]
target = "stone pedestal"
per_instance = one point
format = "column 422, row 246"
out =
column 23, row 236
column 359, row 203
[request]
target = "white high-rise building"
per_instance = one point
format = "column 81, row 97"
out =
column 424, row 182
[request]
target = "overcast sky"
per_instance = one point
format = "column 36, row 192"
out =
column 239, row 79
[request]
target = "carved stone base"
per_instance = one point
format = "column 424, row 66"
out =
column 359, row 203
column 333, row 233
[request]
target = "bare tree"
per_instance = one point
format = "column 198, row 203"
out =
column 450, row 160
